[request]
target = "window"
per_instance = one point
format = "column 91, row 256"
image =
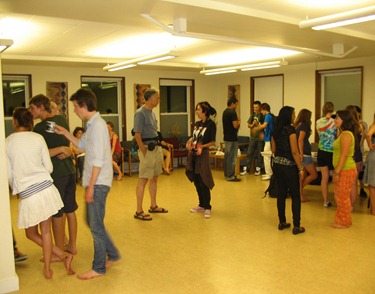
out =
column 110, row 94
column 16, row 92
column 176, row 107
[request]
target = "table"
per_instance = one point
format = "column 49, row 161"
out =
column 221, row 157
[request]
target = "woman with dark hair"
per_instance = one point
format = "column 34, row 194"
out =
column 287, row 167
column 358, row 157
column 303, row 131
column 198, row 162
column 79, row 154
column 345, row 172
column 327, row 131
column 29, row 166
column 369, row 176
column 116, row 150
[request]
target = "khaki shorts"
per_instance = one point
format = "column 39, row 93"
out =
column 150, row 165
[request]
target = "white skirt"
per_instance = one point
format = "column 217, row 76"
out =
column 39, row 207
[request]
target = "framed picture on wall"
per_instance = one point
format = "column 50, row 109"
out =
column 58, row 93
column 234, row 91
column 139, row 92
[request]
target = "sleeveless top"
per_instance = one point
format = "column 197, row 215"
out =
column 117, row 147
column 349, row 162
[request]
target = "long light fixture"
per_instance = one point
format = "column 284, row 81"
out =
column 340, row 19
column 142, row 60
column 5, row 44
column 244, row 67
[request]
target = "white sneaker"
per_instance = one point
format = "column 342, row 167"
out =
column 266, row 178
column 197, row 209
column 207, row 213
column 257, row 171
column 244, row 173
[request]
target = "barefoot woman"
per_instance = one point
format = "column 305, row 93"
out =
column 29, row 167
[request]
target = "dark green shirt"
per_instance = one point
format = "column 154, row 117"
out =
column 63, row 167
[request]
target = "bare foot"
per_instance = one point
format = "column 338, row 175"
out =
column 111, row 262
column 54, row 258
column 89, row 275
column 71, row 250
column 337, row 226
column 68, row 262
column 48, row 274
column 305, row 199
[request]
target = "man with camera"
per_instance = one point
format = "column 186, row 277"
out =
column 150, row 153
column 256, row 143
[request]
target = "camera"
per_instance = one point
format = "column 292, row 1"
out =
column 151, row 146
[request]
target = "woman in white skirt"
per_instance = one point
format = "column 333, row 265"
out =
column 29, row 166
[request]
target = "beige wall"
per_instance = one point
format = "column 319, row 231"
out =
column 299, row 85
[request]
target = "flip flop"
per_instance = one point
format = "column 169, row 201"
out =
column 155, row 210
column 142, row 216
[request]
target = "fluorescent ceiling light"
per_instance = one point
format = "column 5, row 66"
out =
column 118, row 67
column 248, row 55
column 142, row 60
column 157, row 59
column 218, row 72
column 340, row 19
column 260, row 67
column 4, row 44
column 244, row 67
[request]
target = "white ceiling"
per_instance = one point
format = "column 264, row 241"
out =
column 72, row 30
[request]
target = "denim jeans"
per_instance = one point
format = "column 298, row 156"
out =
column 253, row 152
column 103, row 244
column 230, row 158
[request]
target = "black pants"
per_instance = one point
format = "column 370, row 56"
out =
column 288, row 181
column 203, row 191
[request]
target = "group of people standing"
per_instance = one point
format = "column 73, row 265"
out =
column 41, row 171
column 285, row 142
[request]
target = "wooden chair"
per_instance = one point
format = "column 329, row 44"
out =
column 127, row 156
column 179, row 150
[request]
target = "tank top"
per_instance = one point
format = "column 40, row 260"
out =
column 349, row 162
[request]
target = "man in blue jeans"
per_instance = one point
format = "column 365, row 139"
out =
column 97, row 178
column 231, row 124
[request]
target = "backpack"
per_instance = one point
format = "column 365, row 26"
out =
column 272, row 189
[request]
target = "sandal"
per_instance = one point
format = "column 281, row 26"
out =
column 142, row 216
column 157, row 209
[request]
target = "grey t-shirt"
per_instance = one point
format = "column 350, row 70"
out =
column 145, row 123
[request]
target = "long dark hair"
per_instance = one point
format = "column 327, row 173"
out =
column 207, row 109
column 304, row 117
column 348, row 123
column 24, row 118
column 284, row 119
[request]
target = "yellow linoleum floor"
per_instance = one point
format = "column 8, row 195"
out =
column 238, row 250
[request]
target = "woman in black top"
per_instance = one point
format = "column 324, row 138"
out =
column 198, row 162
column 287, row 167
column 303, row 131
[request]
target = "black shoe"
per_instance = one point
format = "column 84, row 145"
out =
column 362, row 193
column 283, row 226
column 234, row 180
column 298, row 230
